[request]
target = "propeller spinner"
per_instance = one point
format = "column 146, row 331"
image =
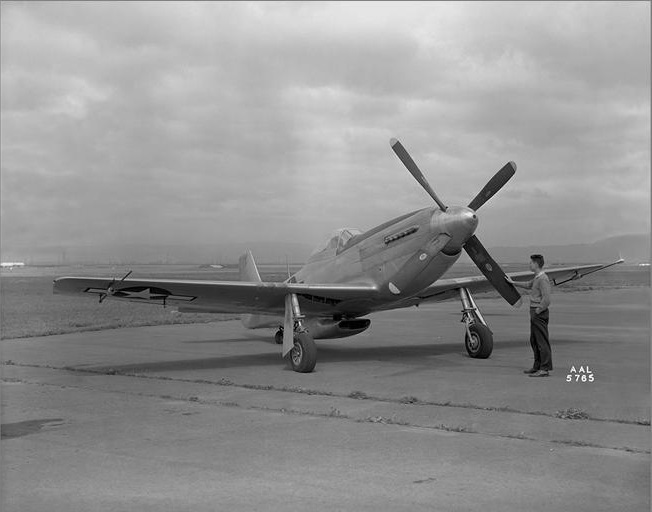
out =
column 471, row 245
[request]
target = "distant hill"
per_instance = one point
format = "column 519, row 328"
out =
column 633, row 248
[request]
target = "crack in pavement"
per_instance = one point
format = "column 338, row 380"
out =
column 357, row 395
column 334, row 413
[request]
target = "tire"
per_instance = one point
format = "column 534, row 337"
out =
column 278, row 337
column 303, row 355
column 481, row 343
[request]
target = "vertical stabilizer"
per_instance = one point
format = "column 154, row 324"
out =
column 248, row 269
column 249, row 272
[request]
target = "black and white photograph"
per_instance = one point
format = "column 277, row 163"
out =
column 325, row 256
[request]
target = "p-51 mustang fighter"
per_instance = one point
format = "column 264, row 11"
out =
column 395, row 265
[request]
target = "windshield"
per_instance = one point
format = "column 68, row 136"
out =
column 337, row 240
column 346, row 235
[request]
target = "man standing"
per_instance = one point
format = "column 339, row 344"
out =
column 539, row 315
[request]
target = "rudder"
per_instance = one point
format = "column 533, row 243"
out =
column 248, row 269
column 249, row 272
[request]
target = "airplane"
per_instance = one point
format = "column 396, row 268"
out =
column 398, row 264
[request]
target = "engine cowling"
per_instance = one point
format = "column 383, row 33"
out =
column 321, row 328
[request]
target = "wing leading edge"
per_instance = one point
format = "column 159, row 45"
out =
column 219, row 296
column 269, row 297
column 445, row 289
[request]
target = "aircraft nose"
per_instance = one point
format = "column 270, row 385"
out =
column 460, row 223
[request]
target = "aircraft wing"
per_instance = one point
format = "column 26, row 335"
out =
column 449, row 288
column 219, row 296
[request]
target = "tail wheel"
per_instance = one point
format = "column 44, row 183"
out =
column 481, row 342
column 303, row 355
column 278, row 337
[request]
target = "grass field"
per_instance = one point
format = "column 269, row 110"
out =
column 29, row 308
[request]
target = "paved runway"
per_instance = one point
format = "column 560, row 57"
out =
column 207, row 417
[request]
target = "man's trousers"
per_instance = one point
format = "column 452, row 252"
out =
column 539, row 340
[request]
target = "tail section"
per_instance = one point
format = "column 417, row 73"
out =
column 249, row 272
column 248, row 269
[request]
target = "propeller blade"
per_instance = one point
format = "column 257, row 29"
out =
column 491, row 271
column 493, row 185
column 404, row 157
column 109, row 290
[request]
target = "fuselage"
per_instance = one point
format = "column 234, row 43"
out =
column 400, row 257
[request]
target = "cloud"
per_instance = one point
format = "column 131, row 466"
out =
column 190, row 122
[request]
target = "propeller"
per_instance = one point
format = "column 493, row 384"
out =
column 111, row 288
column 472, row 246
column 404, row 157
column 493, row 185
column 491, row 271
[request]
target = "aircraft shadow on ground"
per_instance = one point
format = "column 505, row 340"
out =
column 327, row 353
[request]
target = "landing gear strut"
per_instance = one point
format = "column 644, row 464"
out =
column 298, row 344
column 478, row 338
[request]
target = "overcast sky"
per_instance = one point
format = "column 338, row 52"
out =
column 201, row 122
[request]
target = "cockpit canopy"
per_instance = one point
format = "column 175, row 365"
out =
column 336, row 241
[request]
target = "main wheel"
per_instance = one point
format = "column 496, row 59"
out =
column 278, row 337
column 303, row 355
column 481, row 342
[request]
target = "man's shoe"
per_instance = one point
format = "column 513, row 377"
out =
column 531, row 370
column 540, row 373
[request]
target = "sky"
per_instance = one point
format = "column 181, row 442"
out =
column 225, row 122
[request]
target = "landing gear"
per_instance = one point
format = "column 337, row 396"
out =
column 303, row 355
column 278, row 337
column 478, row 339
column 298, row 345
